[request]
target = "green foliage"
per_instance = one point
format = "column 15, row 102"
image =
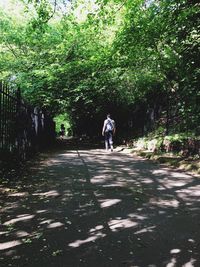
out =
column 181, row 137
column 182, row 144
column 100, row 56
column 141, row 143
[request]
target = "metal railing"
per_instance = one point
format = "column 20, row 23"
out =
column 23, row 128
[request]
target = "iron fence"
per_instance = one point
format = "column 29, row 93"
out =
column 23, row 129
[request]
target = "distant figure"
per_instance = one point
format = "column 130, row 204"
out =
column 108, row 131
column 62, row 130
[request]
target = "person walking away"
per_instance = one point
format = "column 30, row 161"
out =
column 62, row 130
column 108, row 131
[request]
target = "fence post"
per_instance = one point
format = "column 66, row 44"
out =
column 22, row 129
column 1, row 108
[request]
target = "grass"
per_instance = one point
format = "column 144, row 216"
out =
column 190, row 164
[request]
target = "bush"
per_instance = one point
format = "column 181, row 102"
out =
column 184, row 144
column 141, row 143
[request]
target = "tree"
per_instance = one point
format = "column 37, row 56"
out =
column 87, row 58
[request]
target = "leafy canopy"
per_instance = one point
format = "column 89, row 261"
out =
column 88, row 57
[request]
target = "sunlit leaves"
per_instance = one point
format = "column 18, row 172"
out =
column 102, row 54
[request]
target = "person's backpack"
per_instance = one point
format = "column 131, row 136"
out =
column 109, row 125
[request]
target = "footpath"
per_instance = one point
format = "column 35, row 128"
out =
column 82, row 207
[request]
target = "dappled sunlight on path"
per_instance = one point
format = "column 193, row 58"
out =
column 90, row 208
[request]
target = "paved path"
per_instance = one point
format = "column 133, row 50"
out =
column 88, row 208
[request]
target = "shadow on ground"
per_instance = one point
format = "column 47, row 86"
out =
column 90, row 208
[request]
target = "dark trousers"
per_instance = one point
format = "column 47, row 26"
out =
column 109, row 139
